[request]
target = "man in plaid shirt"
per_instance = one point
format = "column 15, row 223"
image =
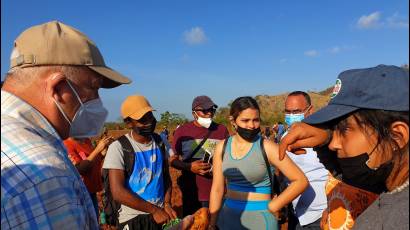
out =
column 50, row 93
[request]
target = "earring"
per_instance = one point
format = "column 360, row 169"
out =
column 234, row 126
column 394, row 148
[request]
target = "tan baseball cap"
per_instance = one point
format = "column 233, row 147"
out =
column 135, row 106
column 55, row 43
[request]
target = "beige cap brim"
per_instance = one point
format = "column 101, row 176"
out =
column 112, row 77
column 138, row 115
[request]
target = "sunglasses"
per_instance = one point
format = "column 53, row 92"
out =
column 205, row 111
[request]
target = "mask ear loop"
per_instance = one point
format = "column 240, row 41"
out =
column 62, row 111
column 75, row 92
column 378, row 142
column 60, row 108
column 307, row 109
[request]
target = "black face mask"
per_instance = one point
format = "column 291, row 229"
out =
column 248, row 134
column 355, row 172
column 146, row 130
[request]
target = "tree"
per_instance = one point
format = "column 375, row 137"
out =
column 172, row 119
column 165, row 118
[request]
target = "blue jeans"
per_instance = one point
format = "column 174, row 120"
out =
column 95, row 203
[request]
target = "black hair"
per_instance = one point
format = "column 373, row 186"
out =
column 379, row 120
column 242, row 103
column 304, row 94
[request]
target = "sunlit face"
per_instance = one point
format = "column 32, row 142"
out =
column 87, row 85
column 350, row 139
column 297, row 104
column 248, row 119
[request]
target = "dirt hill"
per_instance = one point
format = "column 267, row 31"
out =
column 272, row 107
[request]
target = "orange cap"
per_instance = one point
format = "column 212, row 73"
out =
column 135, row 107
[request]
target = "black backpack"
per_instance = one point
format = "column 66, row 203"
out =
column 110, row 206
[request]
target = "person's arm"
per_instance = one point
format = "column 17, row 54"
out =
column 65, row 190
column 122, row 195
column 175, row 161
column 329, row 159
column 218, row 185
column 302, row 135
column 197, row 167
column 85, row 165
column 298, row 181
column 168, row 192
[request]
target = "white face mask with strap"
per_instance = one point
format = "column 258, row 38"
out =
column 204, row 122
column 89, row 118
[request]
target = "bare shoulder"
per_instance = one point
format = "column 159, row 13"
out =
column 271, row 149
column 270, row 145
column 219, row 147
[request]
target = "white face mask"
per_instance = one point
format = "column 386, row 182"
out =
column 89, row 118
column 204, row 122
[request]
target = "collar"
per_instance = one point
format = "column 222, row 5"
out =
column 14, row 107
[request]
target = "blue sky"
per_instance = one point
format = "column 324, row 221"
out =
column 176, row 50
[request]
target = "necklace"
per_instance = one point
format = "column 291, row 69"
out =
column 239, row 148
column 400, row 188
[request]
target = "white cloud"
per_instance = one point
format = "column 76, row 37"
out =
column 283, row 60
column 195, row 36
column 369, row 21
column 375, row 20
column 311, row 53
column 335, row 50
column 397, row 21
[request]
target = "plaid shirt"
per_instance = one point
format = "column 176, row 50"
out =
column 40, row 187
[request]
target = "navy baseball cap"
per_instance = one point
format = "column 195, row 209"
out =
column 382, row 87
column 204, row 102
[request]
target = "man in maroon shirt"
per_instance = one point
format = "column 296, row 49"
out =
column 196, row 179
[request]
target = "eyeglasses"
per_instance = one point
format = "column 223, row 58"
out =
column 205, row 111
column 297, row 111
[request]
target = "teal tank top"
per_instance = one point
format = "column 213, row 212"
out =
column 248, row 174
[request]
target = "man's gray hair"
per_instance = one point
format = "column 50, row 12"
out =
column 25, row 76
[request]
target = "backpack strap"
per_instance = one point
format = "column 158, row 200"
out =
column 110, row 206
column 160, row 143
column 165, row 169
column 265, row 158
column 128, row 152
column 224, row 147
column 200, row 144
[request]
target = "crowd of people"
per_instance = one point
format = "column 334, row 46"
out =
column 344, row 166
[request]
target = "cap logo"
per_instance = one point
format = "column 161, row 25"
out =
column 336, row 89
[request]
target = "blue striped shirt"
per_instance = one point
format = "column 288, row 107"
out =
column 40, row 187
